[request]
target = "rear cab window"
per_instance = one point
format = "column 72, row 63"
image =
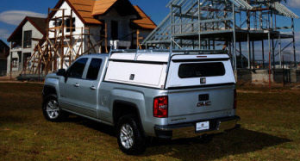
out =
column 201, row 70
column 94, row 68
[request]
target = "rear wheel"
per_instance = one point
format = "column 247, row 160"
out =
column 130, row 137
column 51, row 109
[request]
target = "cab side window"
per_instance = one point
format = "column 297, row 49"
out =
column 94, row 68
column 77, row 68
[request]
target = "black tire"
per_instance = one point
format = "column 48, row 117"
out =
column 56, row 114
column 138, row 144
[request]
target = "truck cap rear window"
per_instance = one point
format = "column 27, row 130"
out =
column 194, row 70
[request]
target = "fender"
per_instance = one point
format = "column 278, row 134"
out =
column 52, row 81
column 117, row 110
column 131, row 98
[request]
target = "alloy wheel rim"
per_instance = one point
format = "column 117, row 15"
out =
column 126, row 136
column 52, row 109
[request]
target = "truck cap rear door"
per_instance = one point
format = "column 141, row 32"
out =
column 199, row 70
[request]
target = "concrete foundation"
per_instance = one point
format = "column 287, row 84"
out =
column 295, row 75
column 262, row 76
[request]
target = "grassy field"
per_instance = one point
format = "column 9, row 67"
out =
column 270, row 130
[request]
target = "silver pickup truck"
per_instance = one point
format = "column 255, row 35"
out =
column 146, row 94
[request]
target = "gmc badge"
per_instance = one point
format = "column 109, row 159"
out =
column 204, row 103
column 202, row 80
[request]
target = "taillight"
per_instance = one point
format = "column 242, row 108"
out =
column 235, row 99
column 160, row 107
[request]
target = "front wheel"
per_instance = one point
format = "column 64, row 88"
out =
column 130, row 137
column 51, row 109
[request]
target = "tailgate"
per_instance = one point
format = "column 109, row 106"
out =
column 187, row 105
column 200, row 87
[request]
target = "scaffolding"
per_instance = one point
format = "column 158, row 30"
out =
column 239, row 26
column 58, row 48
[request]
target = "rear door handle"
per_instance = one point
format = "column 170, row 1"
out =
column 76, row 85
column 93, row 88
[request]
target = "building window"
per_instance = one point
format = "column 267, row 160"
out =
column 114, row 30
column 20, row 56
column 14, row 62
column 68, row 24
column 27, row 39
column 27, row 60
column 57, row 23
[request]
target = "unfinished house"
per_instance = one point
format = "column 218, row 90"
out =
column 78, row 27
column 4, row 51
column 22, row 43
column 250, row 30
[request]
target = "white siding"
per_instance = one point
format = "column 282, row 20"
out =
column 14, row 56
column 78, row 23
column 79, row 29
column 35, row 34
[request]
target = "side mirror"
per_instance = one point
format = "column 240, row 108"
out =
column 61, row 72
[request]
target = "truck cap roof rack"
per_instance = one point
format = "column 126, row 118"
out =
column 172, row 52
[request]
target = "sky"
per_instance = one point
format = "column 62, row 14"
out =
column 12, row 12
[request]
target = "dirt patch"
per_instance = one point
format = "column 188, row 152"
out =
column 18, row 82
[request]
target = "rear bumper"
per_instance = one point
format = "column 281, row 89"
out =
column 217, row 125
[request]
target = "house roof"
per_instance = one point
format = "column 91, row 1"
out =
column 37, row 22
column 123, row 7
column 82, row 8
column 145, row 22
column 87, row 9
column 102, row 6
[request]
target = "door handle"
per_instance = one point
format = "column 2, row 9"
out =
column 93, row 88
column 76, row 85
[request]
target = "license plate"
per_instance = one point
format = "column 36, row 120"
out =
column 202, row 126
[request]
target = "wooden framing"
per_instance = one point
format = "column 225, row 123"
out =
column 61, row 47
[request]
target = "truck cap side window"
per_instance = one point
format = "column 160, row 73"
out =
column 76, row 70
column 201, row 70
column 94, row 69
